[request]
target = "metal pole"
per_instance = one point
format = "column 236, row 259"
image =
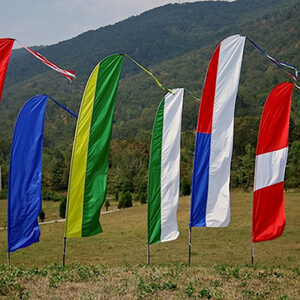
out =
column 64, row 251
column 148, row 254
column 190, row 245
column 252, row 254
column 8, row 258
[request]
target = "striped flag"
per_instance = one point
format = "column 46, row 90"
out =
column 164, row 169
column 5, row 51
column 89, row 164
column 271, row 156
column 210, row 203
column 69, row 74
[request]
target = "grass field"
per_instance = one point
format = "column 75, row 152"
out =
column 220, row 257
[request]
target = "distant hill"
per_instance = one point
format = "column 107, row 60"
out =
column 175, row 41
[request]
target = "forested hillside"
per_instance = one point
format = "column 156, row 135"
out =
column 175, row 42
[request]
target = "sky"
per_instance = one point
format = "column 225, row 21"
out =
column 47, row 22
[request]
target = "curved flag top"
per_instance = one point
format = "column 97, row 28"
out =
column 164, row 170
column 210, row 203
column 271, row 157
column 25, row 175
column 89, row 164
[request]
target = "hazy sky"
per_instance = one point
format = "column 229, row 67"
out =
column 46, row 22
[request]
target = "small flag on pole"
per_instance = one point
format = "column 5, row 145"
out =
column 271, row 156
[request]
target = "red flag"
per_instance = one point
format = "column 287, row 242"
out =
column 5, row 51
column 271, row 155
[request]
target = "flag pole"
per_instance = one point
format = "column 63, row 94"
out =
column 64, row 251
column 148, row 254
column 190, row 245
column 252, row 254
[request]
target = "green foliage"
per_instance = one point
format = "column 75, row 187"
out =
column 185, row 187
column 107, row 204
column 126, row 200
column 3, row 194
column 62, row 208
column 48, row 195
column 42, row 215
column 116, row 195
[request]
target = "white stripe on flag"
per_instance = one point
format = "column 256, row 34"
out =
column 170, row 165
column 270, row 168
column 228, row 75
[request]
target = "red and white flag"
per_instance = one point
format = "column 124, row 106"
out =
column 271, row 156
column 69, row 74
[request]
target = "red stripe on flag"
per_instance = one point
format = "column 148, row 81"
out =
column 274, row 126
column 5, row 51
column 268, row 213
column 208, row 95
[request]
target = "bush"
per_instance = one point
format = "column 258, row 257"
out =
column 3, row 194
column 127, row 187
column 186, row 187
column 62, row 208
column 117, row 195
column 48, row 195
column 42, row 215
column 107, row 204
column 126, row 200
column 143, row 198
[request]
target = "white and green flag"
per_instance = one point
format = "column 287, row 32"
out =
column 164, row 170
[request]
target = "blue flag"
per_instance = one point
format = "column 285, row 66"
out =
column 25, row 175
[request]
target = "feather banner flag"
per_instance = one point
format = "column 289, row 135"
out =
column 89, row 164
column 5, row 51
column 25, row 175
column 164, row 170
column 271, row 157
column 210, row 203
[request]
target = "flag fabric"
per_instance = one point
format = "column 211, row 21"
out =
column 271, row 157
column 25, row 175
column 5, row 51
column 69, row 74
column 210, row 202
column 89, row 164
column 164, row 170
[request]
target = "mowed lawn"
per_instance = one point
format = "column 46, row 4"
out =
column 124, row 240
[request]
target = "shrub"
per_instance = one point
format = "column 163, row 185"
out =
column 186, row 187
column 107, row 204
column 143, row 198
column 62, row 208
column 117, row 195
column 127, row 187
column 48, row 195
column 3, row 194
column 126, row 200
column 42, row 215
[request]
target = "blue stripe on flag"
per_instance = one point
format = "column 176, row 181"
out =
column 200, row 180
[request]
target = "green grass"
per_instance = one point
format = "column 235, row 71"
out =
column 124, row 240
column 112, row 265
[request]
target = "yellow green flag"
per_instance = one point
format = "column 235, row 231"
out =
column 89, row 164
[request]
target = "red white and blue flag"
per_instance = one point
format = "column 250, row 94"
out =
column 271, row 156
column 210, row 202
